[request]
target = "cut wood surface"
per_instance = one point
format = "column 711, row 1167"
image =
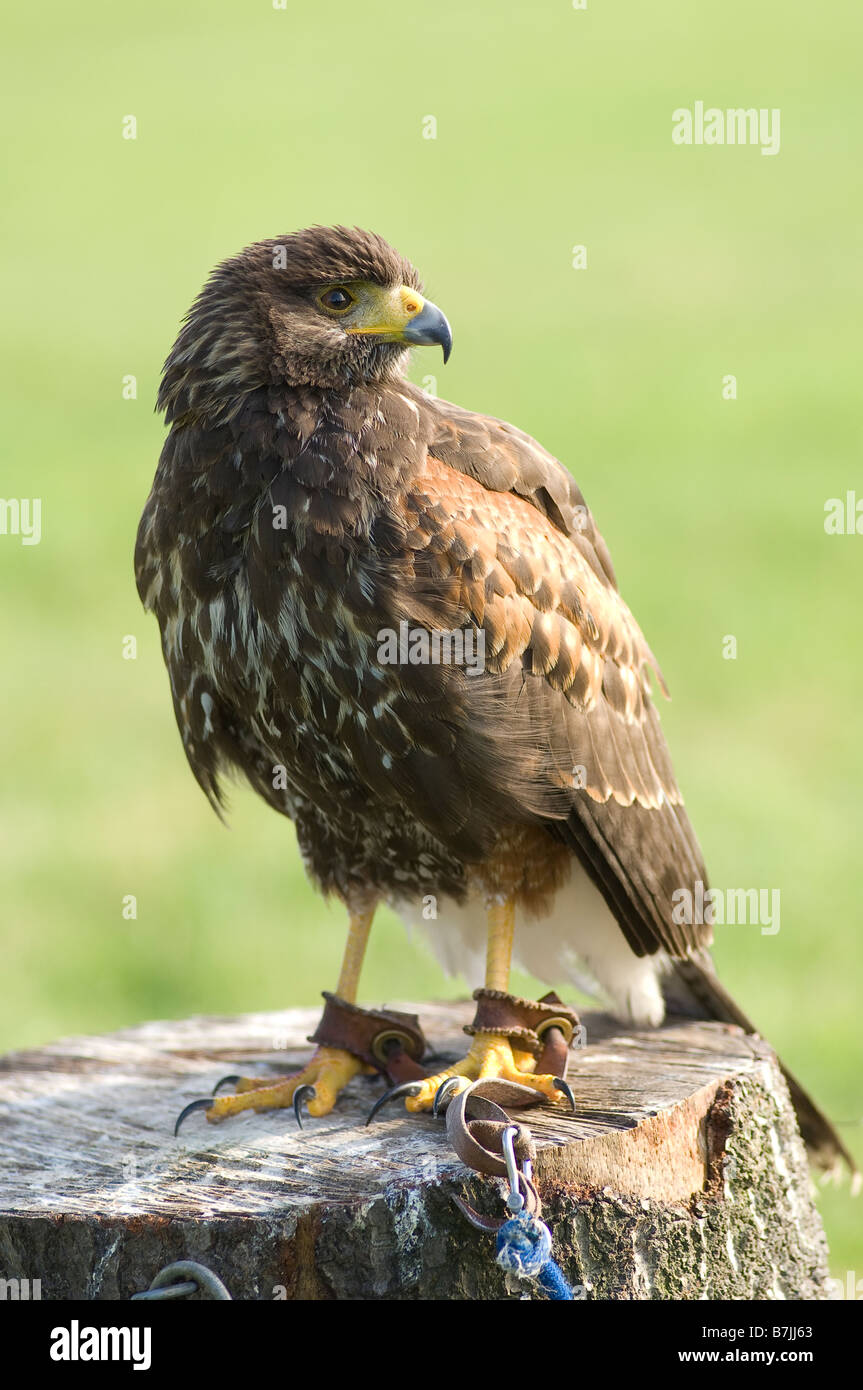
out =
column 681, row 1175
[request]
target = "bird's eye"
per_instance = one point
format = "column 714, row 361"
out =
column 338, row 299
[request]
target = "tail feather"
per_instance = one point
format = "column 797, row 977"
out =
column 693, row 988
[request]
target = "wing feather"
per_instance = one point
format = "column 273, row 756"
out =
column 492, row 502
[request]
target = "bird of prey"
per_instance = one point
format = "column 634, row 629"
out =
column 315, row 521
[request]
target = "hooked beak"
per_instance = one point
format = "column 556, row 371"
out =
column 430, row 328
column 404, row 316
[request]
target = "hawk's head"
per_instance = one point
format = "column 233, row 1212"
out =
column 326, row 307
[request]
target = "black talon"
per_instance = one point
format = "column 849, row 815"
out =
column 302, row 1093
column 224, row 1081
column 567, row 1090
column 442, row 1091
column 193, row 1105
column 407, row 1088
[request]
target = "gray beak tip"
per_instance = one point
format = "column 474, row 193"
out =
column 430, row 329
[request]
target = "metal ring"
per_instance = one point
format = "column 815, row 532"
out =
column 380, row 1040
column 565, row 1025
column 181, row 1279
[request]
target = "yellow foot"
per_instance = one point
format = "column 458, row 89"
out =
column 328, row 1072
column 490, row 1056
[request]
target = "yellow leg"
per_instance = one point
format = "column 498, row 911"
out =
column 330, row 1069
column 492, row 1055
column 355, row 949
column 498, row 956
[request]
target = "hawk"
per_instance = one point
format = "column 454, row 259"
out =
column 315, row 522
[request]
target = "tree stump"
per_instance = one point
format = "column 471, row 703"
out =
column 681, row 1176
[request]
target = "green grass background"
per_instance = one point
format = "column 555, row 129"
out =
column 554, row 128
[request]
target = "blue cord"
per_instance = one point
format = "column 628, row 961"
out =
column 524, row 1248
column 550, row 1278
